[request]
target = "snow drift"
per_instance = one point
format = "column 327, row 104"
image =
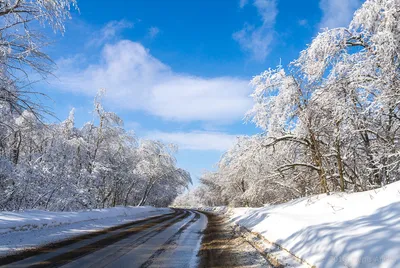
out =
column 337, row 230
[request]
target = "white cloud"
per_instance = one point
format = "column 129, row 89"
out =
column 109, row 31
column 132, row 125
column 303, row 22
column 337, row 13
column 153, row 32
column 268, row 11
column 242, row 3
column 135, row 80
column 257, row 40
column 196, row 140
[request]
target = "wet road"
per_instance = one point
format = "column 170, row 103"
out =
column 171, row 240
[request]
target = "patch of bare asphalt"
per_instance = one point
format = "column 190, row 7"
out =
column 169, row 245
column 130, row 228
column 83, row 251
column 223, row 246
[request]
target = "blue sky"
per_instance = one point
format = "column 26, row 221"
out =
column 179, row 70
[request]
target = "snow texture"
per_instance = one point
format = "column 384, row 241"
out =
column 337, row 230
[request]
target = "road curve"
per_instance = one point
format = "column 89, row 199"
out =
column 171, row 240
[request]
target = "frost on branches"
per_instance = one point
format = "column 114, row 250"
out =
column 330, row 119
column 21, row 44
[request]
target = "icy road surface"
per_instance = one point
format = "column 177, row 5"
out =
column 171, row 240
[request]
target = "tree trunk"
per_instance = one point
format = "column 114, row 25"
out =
column 16, row 147
column 317, row 157
column 128, row 193
column 146, row 194
column 339, row 158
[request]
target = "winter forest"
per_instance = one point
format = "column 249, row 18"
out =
column 56, row 166
column 329, row 121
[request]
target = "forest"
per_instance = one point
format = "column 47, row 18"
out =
column 297, row 165
column 58, row 166
column 329, row 121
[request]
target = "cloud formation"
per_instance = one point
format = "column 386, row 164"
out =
column 196, row 140
column 303, row 22
column 109, row 32
column 135, row 80
column 337, row 13
column 153, row 32
column 257, row 40
column 242, row 3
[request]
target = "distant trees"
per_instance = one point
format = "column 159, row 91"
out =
column 330, row 120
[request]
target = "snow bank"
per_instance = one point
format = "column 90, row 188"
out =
column 35, row 219
column 337, row 230
column 216, row 210
column 32, row 228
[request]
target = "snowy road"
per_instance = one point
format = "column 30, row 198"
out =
column 171, row 240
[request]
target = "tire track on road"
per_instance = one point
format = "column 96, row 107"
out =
column 80, row 252
column 31, row 258
column 169, row 244
column 136, row 243
column 54, row 247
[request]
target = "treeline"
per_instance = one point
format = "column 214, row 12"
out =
column 59, row 166
column 330, row 120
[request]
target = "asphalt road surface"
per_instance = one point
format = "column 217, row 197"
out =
column 171, row 240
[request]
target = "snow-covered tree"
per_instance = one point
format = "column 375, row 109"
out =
column 21, row 47
column 330, row 120
column 61, row 167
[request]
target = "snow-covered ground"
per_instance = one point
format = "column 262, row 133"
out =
column 29, row 229
column 337, row 230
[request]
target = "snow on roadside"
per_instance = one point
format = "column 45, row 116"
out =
column 32, row 228
column 337, row 230
column 216, row 210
